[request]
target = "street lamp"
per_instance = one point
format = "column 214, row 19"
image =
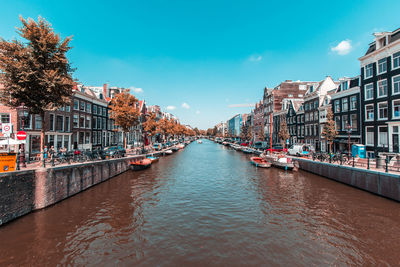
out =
column 348, row 127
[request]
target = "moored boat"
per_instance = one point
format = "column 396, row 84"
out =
column 280, row 161
column 247, row 150
column 260, row 162
column 168, row 152
column 153, row 159
column 141, row 164
column 199, row 141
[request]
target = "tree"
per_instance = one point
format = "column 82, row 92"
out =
column 283, row 132
column 124, row 111
column 36, row 74
column 329, row 131
column 261, row 133
column 150, row 126
column 249, row 134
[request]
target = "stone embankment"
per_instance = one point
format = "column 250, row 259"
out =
column 376, row 182
column 24, row 191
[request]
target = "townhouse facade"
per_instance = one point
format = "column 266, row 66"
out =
column 346, row 106
column 380, row 94
column 258, row 122
column 234, row 125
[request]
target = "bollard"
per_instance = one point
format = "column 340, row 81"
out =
column 44, row 160
column 17, row 162
column 341, row 159
column 330, row 158
column 386, row 164
column 353, row 162
column 368, row 163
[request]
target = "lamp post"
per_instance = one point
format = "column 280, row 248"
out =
column 348, row 127
column 23, row 117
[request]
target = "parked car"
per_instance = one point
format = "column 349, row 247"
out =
column 157, row 146
column 300, row 149
column 115, row 152
column 244, row 144
column 260, row 145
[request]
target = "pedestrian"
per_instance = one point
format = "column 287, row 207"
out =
column 45, row 150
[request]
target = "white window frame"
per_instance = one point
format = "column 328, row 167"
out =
column 365, row 71
column 347, row 104
column 54, row 122
column 394, row 77
column 366, row 113
column 378, row 89
column 393, row 116
column 392, row 61
column 387, row 132
column 377, row 109
column 365, row 91
column 377, row 64
column 366, row 136
column 353, row 97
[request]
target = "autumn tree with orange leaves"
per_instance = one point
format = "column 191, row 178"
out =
column 124, row 112
column 151, row 126
column 36, row 74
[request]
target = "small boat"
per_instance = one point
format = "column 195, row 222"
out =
column 280, row 161
column 153, row 159
column 174, row 148
column 260, row 162
column 142, row 164
column 168, row 152
column 247, row 150
column 181, row 146
column 199, row 141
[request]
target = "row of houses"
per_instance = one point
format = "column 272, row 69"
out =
column 366, row 108
column 83, row 124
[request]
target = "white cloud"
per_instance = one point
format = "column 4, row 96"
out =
column 244, row 105
column 343, row 48
column 255, row 58
column 197, row 111
column 185, row 105
column 171, row 107
column 136, row 90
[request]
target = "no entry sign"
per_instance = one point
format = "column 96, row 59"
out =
column 21, row 135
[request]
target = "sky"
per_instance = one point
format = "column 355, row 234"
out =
column 205, row 61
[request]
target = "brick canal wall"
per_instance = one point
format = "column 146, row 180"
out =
column 24, row 191
column 380, row 183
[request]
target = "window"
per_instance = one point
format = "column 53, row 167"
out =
column 316, row 104
column 382, row 66
column 345, row 122
column 337, row 106
column 76, row 104
column 353, row 102
column 81, row 137
column 5, row 118
column 60, row 123
column 311, row 89
column 67, row 124
column 382, row 88
column 353, row 122
column 67, row 108
column 311, row 116
column 396, row 109
column 94, row 123
column 88, row 107
column 87, row 122
column 344, row 86
column 75, row 121
column 82, row 106
column 38, row 122
column 383, row 136
column 396, row 60
column 369, row 112
column 87, row 138
column 81, row 122
column 369, row 71
column 94, row 109
column 345, row 104
column 337, row 123
column 316, row 115
column 382, row 110
column 51, row 122
column 369, row 91
column 104, row 111
column 369, row 136
column 396, row 84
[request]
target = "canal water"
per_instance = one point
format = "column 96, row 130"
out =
column 207, row 206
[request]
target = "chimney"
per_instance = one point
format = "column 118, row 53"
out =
column 105, row 90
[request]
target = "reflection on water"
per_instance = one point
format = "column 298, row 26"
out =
column 207, row 205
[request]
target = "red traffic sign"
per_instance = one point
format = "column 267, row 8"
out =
column 21, row 135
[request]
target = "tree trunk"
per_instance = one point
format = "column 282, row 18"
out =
column 42, row 136
column 125, row 140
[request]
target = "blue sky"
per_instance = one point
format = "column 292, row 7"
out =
column 202, row 57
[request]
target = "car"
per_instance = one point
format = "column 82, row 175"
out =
column 244, row 144
column 300, row 149
column 114, row 152
column 157, row 146
column 260, row 145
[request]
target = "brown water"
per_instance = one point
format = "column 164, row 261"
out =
column 207, row 206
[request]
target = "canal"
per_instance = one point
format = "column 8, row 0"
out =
column 207, row 206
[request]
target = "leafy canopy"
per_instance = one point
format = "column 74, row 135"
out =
column 124, row 110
